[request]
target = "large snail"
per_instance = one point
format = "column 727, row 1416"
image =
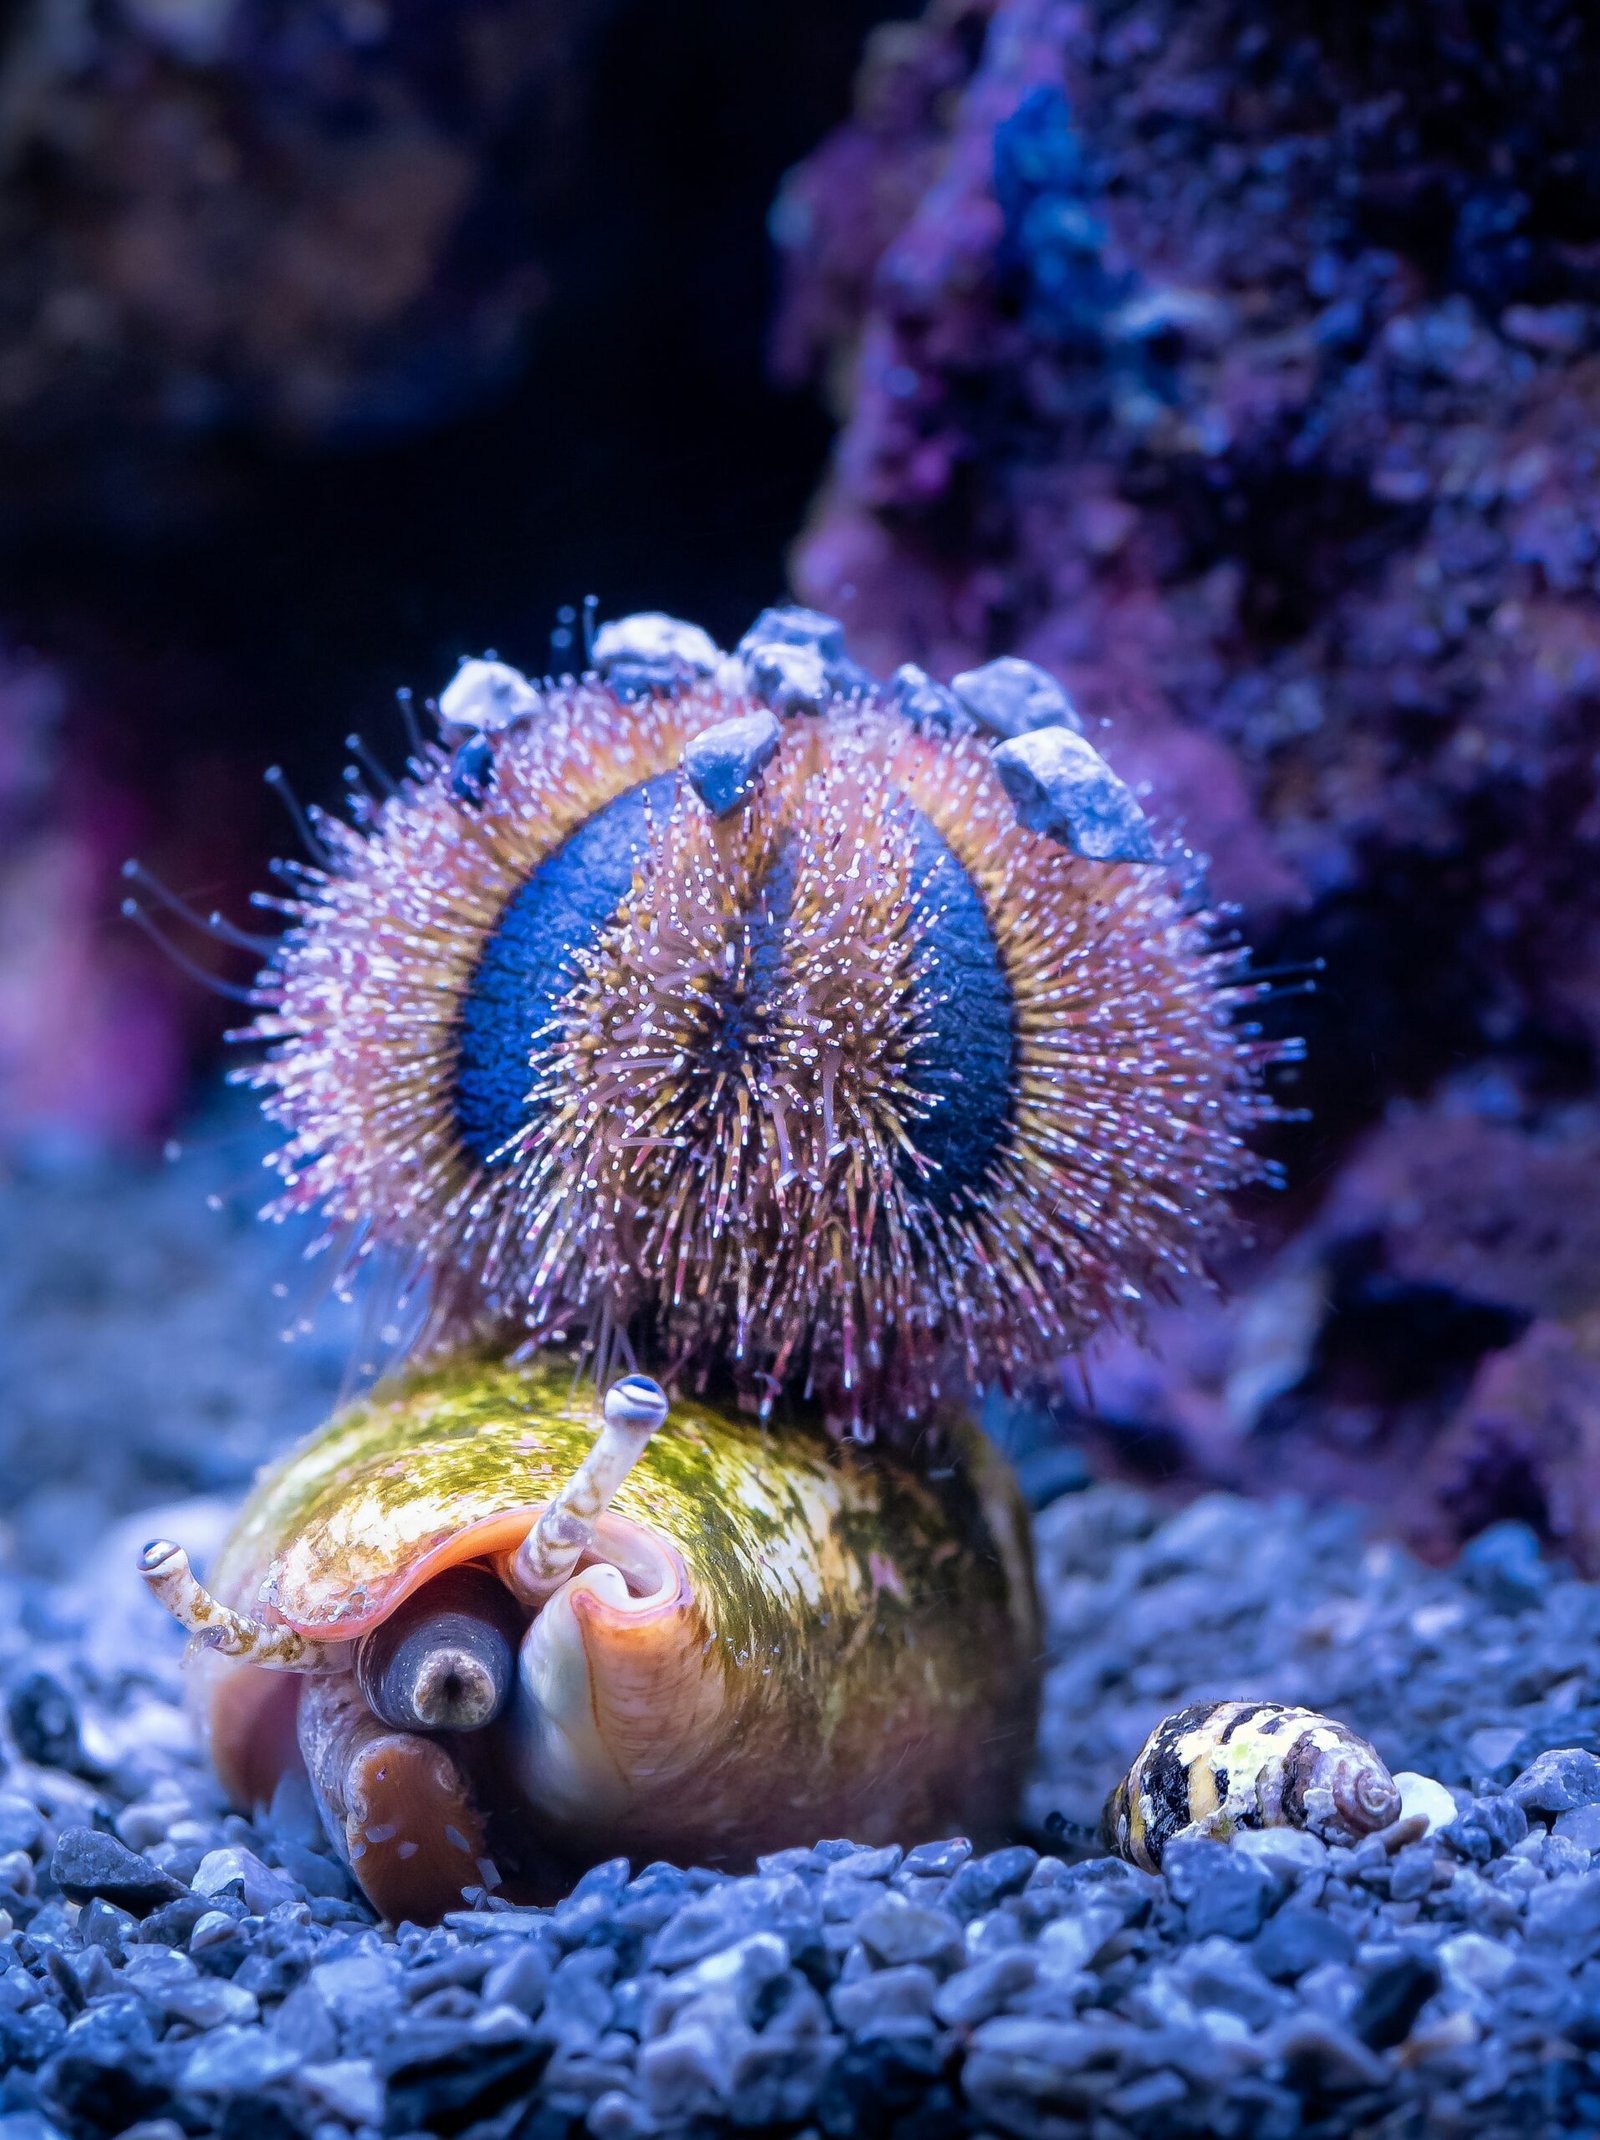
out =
column 837, row 1047
column 505, row 1645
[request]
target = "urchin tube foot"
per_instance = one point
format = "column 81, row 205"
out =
column 169, row 1577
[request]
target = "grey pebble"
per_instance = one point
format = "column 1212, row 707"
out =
column 1073, row 1942
column 792, row 679
column 1566, row 1912
column 489, row 695
column 982, row 1882
column 1290, row 1855
column 1312, row 2046
column 235, row 2060
column 1505, row 1565
column 723, row 763
column 1219, row 1974
column 792, row 625
column 1488, row 1828
column 931, row 1858
column 240, row 1872
column 653, row 646
column 894, row 1930
column 932, row 707
column 1391, row 1998
column 1011, row 697
column 1559, row 1781
column 21, row 1823
column 346, row 2089
column 1580, row 1825
column 310, row 1870
column 1020, row 2073
column 521, row 1980
column 1217, row 1889
column 1298, row 1939
column 886, row 2000
column 86, row 1862
column 684, row 2074
column 106, row 1925
column 1411, row 1876
column 472, row 770
column 44, row 1721
column 866, row 1864
column 1064, row 790
column 986, row 1988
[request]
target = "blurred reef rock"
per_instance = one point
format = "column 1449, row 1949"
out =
column 1240, row 363
column 270, row 216
column 93, row 1030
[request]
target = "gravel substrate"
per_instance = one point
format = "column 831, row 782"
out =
column 167, row 1968
column 156, row 1340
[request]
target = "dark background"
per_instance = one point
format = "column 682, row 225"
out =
column 222, row 593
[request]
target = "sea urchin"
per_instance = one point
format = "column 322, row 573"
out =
column 732, row 1001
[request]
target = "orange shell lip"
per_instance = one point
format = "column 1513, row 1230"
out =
column 627, row 1545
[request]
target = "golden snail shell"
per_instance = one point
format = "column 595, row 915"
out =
column 504, row 1646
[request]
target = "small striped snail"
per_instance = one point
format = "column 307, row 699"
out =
column 505, row 1646
column 1217, row 1767
column 833, row 1048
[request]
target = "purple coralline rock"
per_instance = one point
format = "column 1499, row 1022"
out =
column 95, row 1028
column 1242, row 368
column 1423, row 1341
column 1198, row 357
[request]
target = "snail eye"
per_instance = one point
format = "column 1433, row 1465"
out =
column 639, row 1395
column 527, row 964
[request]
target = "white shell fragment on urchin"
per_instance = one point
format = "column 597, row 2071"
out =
column 928, row 705
column 792, row 679
column 795, row 626
column 655, row 647
column 1063, row 788
column 487, row 695
column 1012, row 697
column 723, row 763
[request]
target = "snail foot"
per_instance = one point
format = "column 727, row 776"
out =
column 396, row 1806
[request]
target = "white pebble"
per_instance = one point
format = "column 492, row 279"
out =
column 1421, row 1794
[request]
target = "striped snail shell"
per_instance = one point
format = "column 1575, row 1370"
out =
column 1217, row 1767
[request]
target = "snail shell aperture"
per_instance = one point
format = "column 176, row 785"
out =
column 760, row 1637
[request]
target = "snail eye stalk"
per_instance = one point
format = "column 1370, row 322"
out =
column 634, row 1408
column 166, row 1570
column 445, row 1659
